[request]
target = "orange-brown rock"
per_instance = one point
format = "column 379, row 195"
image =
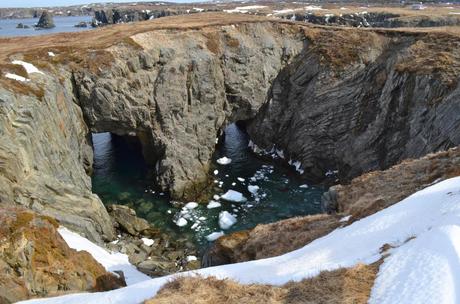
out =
column 35, row 261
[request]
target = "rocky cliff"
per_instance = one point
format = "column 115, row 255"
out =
column 348, row 100
column 369, row 102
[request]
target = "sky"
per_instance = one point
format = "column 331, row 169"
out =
column 40, row 3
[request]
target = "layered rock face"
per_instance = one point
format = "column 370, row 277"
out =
column 365, row 104
column 43, row 155
column 36, row 262
column 179, row 89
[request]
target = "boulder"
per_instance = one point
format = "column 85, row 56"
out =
column 126, row 220
column 45, row 21
column 35, row 261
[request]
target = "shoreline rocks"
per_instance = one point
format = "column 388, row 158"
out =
column 46, row 21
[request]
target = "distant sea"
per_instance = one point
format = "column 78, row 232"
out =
column 63, row 24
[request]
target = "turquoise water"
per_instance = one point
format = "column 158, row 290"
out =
column 63, row 24
column 121, row 176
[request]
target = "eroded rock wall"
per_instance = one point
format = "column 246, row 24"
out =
column 43, row 155
column 180, row 88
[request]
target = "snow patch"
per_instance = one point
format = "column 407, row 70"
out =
column 181, row 222
column 111, row 261
column 147, row 241
column 213, row 204
column 234, row 196
column 191, row 205
column 224, row 161
column 16, row 77
column 226, row 220
column 214, row 236
column 30, row 68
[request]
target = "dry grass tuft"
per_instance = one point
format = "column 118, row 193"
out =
column 346, row 285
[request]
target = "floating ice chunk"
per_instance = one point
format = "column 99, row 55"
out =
column 253, row 189
column 345, row 218
column 240, row 179
column 147, row 241
column 195, row 225
column 233, row 184
column 169, row 211
column 181, row 222
column 16, row 77
column 224, row 161
column 216, row 197
column 202, row 218
column 191, row 258
column 216, row 172
column 234, row 196
column 191, row 205
column 303, row 186
column 214, row 236
column 226, row 220
column 51, row 54
column 30, row 68
column 213, row 204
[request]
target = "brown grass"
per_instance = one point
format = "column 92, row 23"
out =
column 374, row 191
column 272, row 239
column 346, row 285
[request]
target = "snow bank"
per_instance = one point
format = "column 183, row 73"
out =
column 234, row 196
column 30, row 68
column 420, row 215
column 226, row 220
column 147, row 241
column 111, row 261
column 224, row 161
column 426, row 270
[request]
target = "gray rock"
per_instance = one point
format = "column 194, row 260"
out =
column 127, row 221
column 45, row 21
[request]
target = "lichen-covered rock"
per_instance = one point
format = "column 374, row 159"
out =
column 35, row 261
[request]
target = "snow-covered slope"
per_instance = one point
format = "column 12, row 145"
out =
column 425, row 267
column 110, row 260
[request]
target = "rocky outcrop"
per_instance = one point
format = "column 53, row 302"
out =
column 366, row 104
column 45, row 21
column 120, row 15
column 176, row 96
column 375, row 19
column 151, row 251
column 35, row 261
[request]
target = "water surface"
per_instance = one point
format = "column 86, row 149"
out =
column 63, row 24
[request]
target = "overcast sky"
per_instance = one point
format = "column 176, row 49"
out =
column 39, row 3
